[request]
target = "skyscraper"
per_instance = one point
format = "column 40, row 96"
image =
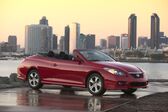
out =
column 90, row 41
column 12, row 41
column 132, row 27
column 74, row 41
column 55, row 42
column 43, row 21
column 117, row 41
column 66, row 39
column 155, row 29
column 82, row 41
column 38, row 38
column 61, row 43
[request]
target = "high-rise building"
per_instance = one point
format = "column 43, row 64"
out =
column 5, row 47
column 113, row 41
column 66, row 39
column 124, row 41
column 117, row 41
column 142, row 42
column 132, row 31
column 61, row 43
column 43, row 21
column 162, row 39
column 38, row 38
column 12, row 41
column 155, row 29
column 82, row 41
column 103, row 43
column 74, row 41
column 55, row 42
column 90, row 41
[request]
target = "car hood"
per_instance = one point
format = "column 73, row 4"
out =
column 118, row 65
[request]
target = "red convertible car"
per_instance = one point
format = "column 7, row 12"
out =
column 91, row 69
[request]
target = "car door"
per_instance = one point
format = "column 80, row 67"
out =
column 70, row 72
column 48, row 69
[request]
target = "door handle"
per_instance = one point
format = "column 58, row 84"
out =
column 54, row 64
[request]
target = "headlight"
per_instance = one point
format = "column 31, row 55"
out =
column 114, row 71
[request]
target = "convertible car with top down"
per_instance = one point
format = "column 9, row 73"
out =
column 91, row 69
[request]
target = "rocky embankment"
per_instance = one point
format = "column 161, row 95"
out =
column 153, row 103
column 11, row 81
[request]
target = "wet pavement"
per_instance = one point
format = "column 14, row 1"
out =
column 58, row 99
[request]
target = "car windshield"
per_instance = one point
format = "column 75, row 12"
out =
column 94, row 55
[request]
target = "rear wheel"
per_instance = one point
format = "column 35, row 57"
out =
column 95, row 84
column 34, row 80
column 129, row 91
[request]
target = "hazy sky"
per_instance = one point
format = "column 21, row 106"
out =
column 100, row 17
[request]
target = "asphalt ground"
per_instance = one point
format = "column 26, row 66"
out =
column 59, row 99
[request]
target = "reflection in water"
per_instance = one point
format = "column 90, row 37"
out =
column 66, row 99
column 67, row 91
column 131, row 96
column 71, row 99
column 33, row 97
column 94, row 104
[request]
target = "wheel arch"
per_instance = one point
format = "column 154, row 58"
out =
column 30, row 69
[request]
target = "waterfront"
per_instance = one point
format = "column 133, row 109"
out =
column 153, row 70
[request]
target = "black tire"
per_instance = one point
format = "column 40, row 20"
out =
column 95, row 84
column 34, row 80
column 129, row 91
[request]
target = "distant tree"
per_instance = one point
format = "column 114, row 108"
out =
column 138, row 54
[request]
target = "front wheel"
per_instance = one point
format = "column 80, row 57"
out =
column 34, row 80
column 95, row 84
column 129, row 91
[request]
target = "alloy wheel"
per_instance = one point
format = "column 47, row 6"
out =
column 34, row 79
column 95, row 84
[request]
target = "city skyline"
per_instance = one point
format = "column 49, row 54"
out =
column 102, row 18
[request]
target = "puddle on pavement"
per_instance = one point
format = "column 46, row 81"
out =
column 69, row 99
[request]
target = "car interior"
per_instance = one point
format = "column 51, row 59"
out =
column 61, row 55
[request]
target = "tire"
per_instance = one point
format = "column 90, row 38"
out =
column 95, row 84
column 129, row 91
column 34, row 80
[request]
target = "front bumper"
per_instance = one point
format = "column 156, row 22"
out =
column 120, row 85
column 112, row 82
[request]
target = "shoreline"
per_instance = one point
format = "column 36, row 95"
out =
column 144, row 61
column 139, row 60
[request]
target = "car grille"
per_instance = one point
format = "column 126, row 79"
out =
column 138, row 83
column 137, row 75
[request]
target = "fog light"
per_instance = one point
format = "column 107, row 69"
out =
column 121, row 83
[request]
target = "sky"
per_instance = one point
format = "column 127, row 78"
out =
column 100, row 17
